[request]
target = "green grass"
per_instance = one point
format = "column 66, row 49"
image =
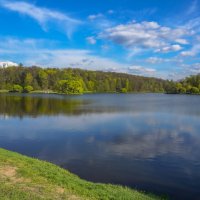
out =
column 22, row 178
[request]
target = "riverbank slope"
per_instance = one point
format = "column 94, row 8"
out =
column 22, row 177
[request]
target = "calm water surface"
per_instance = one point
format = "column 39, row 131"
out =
column 146, row 141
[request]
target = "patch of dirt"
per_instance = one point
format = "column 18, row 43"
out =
column 8, row 171
column 60, row 190
column 73, row 197
column 11, row 173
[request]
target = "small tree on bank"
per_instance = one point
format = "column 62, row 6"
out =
column 17, row 88
column 28, row 89
column 71, row 86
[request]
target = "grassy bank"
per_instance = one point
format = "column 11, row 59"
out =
column 22, row 177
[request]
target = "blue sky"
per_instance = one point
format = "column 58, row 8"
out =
column 147, row 37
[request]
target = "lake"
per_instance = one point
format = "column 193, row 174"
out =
column 150, row 142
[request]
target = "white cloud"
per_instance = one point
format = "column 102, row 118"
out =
column 43, row 53
column 196, row 68
column 141, row 70
column 40, row 52
column 166, row 49
column 100, row 22
column 43, row 15
column 158, row 60
column 192, row 52
column 105, row 47
column 74, row 58
column 91, row 40
column 192, row 24
column 93, row 17
column 154, row 60
column 146, row 35
column 187, row 53
column 181, row 41
column 190, row 69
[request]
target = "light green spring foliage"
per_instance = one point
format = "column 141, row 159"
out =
column 17, row 88
column 45, row 79
column 189, row 85
column 28, row 89
column 26, row 178
column 70, row 86
column 77, row 81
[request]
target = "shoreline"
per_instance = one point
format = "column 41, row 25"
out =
column 23, row 177
column 89, row 92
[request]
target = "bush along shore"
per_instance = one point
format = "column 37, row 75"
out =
column 22, row 177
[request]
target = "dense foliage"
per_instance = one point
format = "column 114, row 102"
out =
column 189, row 85
column 78, row 81
column 75, row 81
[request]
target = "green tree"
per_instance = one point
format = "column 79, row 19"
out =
column 90, row 85
column 127, row 85
column 106, row 86
column 182, row 90
column 118, row 85
column 43, row 79
column 194, row 90
column 28, row 89
column 171, row 88
column 17, row 88
column 94, row 81
column 178, row 87
column 70, row 86
column 123, row 90
column 28, row 79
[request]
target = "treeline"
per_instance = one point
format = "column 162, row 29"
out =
column 75, row 81
column 78, row 81
column 189, row 85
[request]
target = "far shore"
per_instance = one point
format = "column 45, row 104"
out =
column 90, row 92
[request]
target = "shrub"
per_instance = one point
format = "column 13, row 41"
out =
column 16, row 88
column 70, row 86
column 182, row 90
column 194, row 90
column 123, row 90
column 28, row 88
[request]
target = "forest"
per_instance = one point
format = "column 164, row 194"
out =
column 74, row 81
column 79, row 81
column 189, row 85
